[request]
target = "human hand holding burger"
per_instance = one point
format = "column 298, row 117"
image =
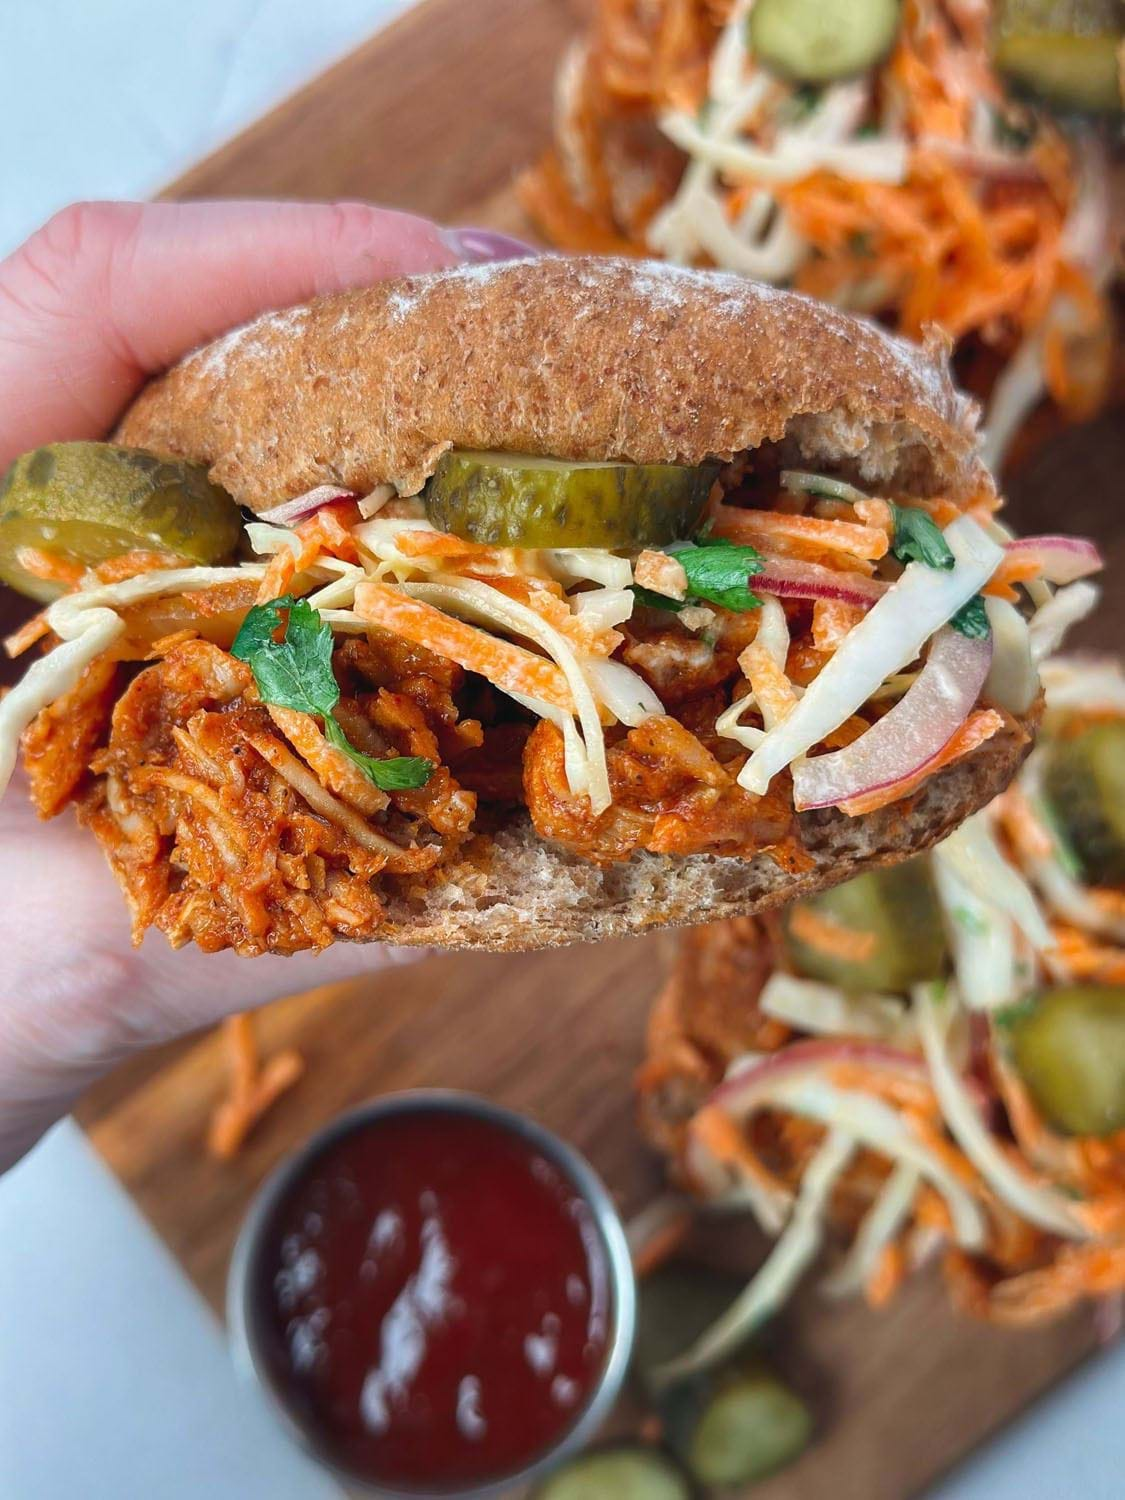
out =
column 100, row 299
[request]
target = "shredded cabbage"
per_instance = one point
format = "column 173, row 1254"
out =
column 886, row 640
column 971, row 852
column 783, row 1267
column 880, row 1225
column 1038, row 1205
column 982, row 939
column 824, row 1010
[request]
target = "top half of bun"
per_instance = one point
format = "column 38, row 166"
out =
column 570, row 358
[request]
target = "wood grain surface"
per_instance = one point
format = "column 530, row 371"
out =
column 437, row 114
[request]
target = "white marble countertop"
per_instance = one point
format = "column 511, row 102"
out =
column 114, row 1381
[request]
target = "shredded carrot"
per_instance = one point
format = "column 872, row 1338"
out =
column 507, row 666
column 1029, row 838
column 27, row 634
column 846, row 733
column 826, row 935
column 1085, row 957
column 980, row 726
column 886, row 1276
column 1077, row 1271
column 909, row 1092
column 49, row 566
column 252, row 1090
column 1012, row 570
column 133, row 564
column 662, row 1245
column 326, row 531
column 727, row 1143
column 832, row 620
column 736, row 525
column 772, row 689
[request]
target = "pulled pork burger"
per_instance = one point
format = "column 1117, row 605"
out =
column 521, row 604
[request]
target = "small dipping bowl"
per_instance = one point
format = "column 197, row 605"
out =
column 436, row 1296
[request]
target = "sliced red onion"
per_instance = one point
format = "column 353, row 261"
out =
column 805, row 580
column 994, row 165
column 750, row 1088
column 906, row 739
column 289, row 512
column 1063, row 559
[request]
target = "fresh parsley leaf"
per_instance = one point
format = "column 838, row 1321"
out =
column 917, row 539
column 399, row 773
column 295, row 671
column 718, row 571
column 972, row 620
column 652, row 600
column 260, row 627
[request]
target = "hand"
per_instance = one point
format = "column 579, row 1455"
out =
column 99, row 300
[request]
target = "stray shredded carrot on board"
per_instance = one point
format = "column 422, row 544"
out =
column 251, row 1089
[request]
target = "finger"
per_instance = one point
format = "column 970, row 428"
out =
column 190, row 989
column 107, row 294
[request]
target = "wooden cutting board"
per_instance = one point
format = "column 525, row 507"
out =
column 437, row 114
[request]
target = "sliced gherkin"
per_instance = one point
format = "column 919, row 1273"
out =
column 1069, row 1048
column 1085, row 785
column 1063, row 51
column 518, row 500
column 816, row 41
column 749, row 1424
column 621, row 1471
column 87, row 502
column 898, row 908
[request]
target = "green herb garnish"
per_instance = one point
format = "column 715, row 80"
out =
column 718, row 571
column 291, row 659
column 918, row 539
column 972, row 619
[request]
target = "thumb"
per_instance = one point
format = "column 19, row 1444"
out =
column 107, row 294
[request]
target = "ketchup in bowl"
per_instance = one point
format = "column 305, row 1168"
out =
column 433, row 1295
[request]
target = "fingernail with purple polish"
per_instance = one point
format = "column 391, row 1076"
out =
column 478, row 245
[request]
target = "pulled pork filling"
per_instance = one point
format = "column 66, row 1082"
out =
column 272, row 753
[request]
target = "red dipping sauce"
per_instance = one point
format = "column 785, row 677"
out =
column 431, row 1298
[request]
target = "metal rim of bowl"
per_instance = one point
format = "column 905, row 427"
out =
column 574, row 1166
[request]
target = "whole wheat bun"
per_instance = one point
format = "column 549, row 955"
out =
column 578, row 358
column 585, row 359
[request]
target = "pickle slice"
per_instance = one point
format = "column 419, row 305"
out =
column 816, row 41
column 750, row 1425
column 1070, row 1051
column 1063, row 51
column 623, row 1471
column 896, row 908
column 517, row 500
column 1085, row 786
column 86, row 502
